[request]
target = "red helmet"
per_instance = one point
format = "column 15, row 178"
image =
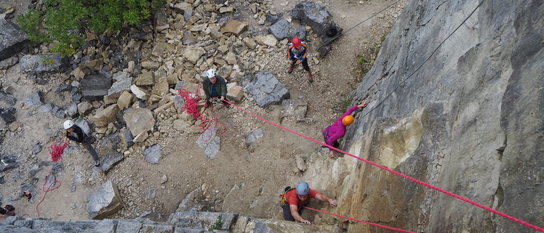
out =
column 296, row 41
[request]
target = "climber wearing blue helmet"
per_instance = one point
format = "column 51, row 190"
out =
column 295, row 199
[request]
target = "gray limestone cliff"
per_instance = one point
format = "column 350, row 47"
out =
column 469, row 120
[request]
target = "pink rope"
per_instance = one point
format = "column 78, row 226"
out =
column 357, row 220
column 398, row 173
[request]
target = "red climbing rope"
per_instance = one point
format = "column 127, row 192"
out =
column 191, row 106
column 357, row 220
column 398, row 173
column 53, row 186
column 56, row 150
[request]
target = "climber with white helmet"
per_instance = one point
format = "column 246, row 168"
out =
column 295, row 199
column 337, row 130
column 76, row 134
column 215, row 87
column 297, row 53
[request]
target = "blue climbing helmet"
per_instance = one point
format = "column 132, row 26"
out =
column 303, row 188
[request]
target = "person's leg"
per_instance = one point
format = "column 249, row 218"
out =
column 332, row 153
column 287, row 213
column 307, row 68
column 291, row 66
column 93, row 153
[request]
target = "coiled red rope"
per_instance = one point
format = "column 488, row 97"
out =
column 357, row 220
column 191, row 106
column 524, row 223
column 56, row 150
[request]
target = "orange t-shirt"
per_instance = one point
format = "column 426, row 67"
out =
column 292, row 197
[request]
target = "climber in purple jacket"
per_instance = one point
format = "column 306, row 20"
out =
column 337, row 130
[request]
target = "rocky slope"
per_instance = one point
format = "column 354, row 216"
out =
column 470, row 121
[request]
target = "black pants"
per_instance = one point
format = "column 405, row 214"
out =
column 287, row 212
column 304, row 64
column 92, row 151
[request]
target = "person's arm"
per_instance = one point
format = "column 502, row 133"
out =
column 296, row 215
column 323, row 197
column 289, row 54
column 223, row 88
column 205, row 87
column 305, row 52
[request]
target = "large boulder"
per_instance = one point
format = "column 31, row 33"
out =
column 95, row 86
column 266, row 89
column 8, row 115
column 36, row 64
column 8, row 162
column 139, row 120
column 104, row 117
column 104, row 202
column 110, row 159
column 12, row 39
column 34, row 100
column 122, row 83
column 192, row 54
column 280, row 29
column 234, row 26
column 317, row 17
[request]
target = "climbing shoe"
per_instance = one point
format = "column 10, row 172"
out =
column 97, row 163
column 290, row 69
column 310, row 78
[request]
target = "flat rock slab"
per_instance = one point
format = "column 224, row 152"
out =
column 280, row 29
column 110, row 159
column 139, row 120
column 95, row 86
column 11, row 39
column 49, row 62
column 266, row 89
column 34, row 100
column 253, row 136
column 153, row 154
column 210, row 142
column 104, row 202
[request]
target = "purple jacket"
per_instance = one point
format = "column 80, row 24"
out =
column 337, row 129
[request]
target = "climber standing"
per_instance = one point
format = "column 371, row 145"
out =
column 214, row 87
column 76, row 134
column 294, row 200
column 297, row 53
column 337, row 130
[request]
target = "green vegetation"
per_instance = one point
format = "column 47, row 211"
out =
column 217, row 224
column 48, row 61
column 65, row 22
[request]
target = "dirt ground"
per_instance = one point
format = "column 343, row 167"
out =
column 239, row 179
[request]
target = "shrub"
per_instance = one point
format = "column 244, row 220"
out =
column 64, row 22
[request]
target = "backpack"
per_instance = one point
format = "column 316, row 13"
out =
column 283, row 196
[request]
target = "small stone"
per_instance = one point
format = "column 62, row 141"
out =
column 164, row 179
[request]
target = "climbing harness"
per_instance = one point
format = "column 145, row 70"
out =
column 283, row 196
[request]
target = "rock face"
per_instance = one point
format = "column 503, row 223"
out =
column 468, row 121
column 11, row 39
column 266, row 89
column 104, row 202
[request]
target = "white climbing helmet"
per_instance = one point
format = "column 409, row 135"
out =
column 210, row 73
column 68, row 124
